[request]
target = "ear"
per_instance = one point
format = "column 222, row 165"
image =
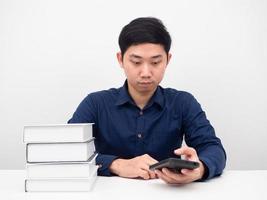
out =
column 169, row 58
column 120, row 59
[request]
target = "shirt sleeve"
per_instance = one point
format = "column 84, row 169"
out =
column 104, row 161
column 200, row 135
column 87, row 113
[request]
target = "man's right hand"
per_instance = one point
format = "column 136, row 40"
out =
column 137, row 167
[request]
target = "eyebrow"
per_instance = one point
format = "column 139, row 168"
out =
column 157, row 56
column 139, row 57
column 135, row 56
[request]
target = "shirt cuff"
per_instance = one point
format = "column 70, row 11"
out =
column 210, row 170
column 104, row 161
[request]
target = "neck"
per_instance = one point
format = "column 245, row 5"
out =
column 141, row 99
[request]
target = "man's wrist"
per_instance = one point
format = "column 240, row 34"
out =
column 115, row 166
column 202, row 170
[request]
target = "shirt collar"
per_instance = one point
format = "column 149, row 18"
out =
column 158, row 98
column 124, row 97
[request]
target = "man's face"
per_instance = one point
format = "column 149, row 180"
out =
column 144, row 66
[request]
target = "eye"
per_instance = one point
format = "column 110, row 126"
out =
column 155, row 63
column 136, row 62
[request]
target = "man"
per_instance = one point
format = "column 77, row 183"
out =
column 142, row 123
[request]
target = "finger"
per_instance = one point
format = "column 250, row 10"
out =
column 185, row 150
column 148, row 160
column 151, row 173
column 187, row 171
column 189, row 152
column 144, row 174
column 171, row 174
column 161, row 176
column 166, row 178
column 194, row 173
column 177, row 178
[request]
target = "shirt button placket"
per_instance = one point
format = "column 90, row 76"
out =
column 140, row 133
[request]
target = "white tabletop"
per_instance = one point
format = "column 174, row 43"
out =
column 231, row 185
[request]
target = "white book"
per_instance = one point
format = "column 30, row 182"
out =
column 59, row 152
column 61, row 185
column 61, row 170
column 58, row 133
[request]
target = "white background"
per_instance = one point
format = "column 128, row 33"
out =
column 54, row 52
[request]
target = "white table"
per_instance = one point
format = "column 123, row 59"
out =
column 231, row 185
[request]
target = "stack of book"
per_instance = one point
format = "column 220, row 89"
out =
column 60, row 157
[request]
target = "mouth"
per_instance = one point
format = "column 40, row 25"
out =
column 145, row 83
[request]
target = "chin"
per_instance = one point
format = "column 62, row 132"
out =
column 146, row 89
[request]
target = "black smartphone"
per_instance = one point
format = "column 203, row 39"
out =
column 175, row 164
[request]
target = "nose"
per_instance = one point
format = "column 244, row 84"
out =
column 146, row 71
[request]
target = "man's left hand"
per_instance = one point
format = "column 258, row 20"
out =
column 186, row 175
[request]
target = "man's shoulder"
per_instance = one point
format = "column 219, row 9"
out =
column 179, row 98
column 103, row 94
column 174, row 93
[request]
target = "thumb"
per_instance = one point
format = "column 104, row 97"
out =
column 185, row 150
column 179, row 151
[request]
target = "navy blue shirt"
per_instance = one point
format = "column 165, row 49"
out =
column 122, row 130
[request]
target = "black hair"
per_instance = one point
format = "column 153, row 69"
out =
column 144, row 30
